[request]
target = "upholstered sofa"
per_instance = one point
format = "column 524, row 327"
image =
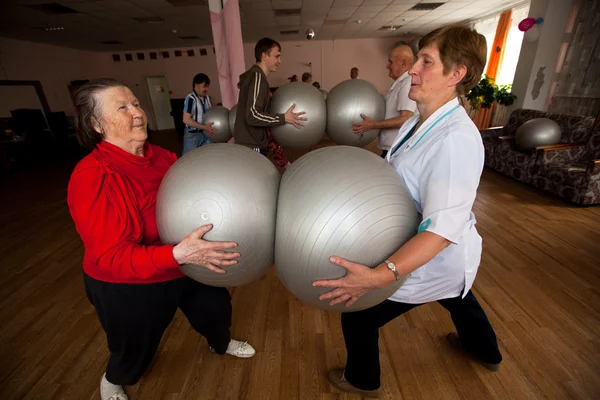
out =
column 571, row 172
column 570, row 169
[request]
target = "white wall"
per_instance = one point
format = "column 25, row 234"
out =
column 539, row 53
column 56, row 67
column 15, row 97
column 331, row 61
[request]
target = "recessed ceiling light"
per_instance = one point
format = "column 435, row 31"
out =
column 150, row 20
column 286, row 12
column 389, row 28
column 54, row 28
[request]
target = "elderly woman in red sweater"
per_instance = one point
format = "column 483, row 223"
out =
column 131, row 278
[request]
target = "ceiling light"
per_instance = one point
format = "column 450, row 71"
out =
column 286, row 12
column 54, row 28
column 150, row 20
column 389, row 28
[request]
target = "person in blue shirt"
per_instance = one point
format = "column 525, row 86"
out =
column 197, row 133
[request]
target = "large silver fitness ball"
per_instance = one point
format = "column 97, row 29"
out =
column 345, row 103
column 235, row 189
column 232, row 119
column 219, row 116
column 537, row 132
column 342, row 201
column 308, row 99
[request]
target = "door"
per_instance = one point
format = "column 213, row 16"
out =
column 158, row 87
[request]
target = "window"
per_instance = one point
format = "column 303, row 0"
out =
column 512, row 48
column 487, row 28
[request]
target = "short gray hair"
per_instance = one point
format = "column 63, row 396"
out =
column 401, row 43
column 87, row 110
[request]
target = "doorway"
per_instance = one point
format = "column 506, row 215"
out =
column 158, row 88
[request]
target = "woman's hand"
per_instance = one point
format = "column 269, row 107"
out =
column 358, row 281
column 195, row 250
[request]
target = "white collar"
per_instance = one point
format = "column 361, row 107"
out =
column 412, row 121
column 400, row 79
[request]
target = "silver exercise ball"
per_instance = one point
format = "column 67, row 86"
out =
column 308, row 99
column 232, row 119
column 219, row 116
column 537, row 132
column 235, row 189
column 345, row 102
column 342, row 201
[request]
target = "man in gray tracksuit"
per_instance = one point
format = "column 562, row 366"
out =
column 252, row 118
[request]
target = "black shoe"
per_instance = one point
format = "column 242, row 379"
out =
column 455, row 342
column 336, row 378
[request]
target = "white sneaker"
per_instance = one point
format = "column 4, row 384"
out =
column 108, row 391
column 239, row 349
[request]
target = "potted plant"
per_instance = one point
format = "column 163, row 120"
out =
column 485, row 94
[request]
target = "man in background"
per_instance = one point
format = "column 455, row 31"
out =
column 196, row 133
column 398, row 107
column 252, row 117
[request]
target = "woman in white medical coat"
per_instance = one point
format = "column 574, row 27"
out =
column 439, row 155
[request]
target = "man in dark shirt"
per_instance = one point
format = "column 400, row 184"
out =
column 252, row 118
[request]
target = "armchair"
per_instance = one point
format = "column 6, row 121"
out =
column 570, row 171
column 503, row 155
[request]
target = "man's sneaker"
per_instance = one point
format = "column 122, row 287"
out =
column 108, row 391
column 239, row 349
column 336, row 378
column 455, row 342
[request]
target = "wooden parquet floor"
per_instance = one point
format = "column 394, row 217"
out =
column 539, row 284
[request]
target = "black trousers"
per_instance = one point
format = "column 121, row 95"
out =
column 135, row 316
column 361, row 334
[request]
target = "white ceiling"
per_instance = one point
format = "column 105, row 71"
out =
column 97, row 21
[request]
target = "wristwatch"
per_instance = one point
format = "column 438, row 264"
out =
column 392, row 267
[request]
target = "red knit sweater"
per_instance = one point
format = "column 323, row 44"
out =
column 112, row 199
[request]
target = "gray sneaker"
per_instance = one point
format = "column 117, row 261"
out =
column 239, row 349
column 108, row 391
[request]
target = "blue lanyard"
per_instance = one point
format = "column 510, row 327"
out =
column 426, row 132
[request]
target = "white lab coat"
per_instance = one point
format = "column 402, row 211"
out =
column 441, row 168
column 395, row 101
